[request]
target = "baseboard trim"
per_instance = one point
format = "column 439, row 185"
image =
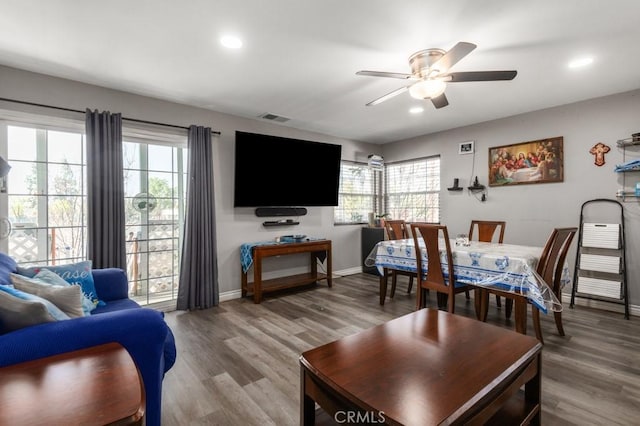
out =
column 237, row 294
column 634, row 310
column 348, row 271
column 230, row 295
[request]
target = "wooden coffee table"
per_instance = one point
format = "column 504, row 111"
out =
column 94, row 386
column 425, row 368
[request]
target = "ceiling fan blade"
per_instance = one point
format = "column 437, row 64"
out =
column 440, row 102
column 454, row 55
column 385, row 74
column 388, row 96
column 457, row 77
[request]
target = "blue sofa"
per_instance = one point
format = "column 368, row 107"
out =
column 142, row 331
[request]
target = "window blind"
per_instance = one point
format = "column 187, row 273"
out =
column 356, row 193
column 412, row 190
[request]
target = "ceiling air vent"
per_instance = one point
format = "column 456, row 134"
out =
column 273, row 117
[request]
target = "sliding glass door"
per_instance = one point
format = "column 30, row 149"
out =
column 154, row 177
column 44, row 203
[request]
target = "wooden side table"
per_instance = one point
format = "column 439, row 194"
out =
column 259, row 286
column 95, row 386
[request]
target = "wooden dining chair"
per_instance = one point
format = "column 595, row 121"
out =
column 428, row 236
column 487, row 230
column 397, row 229
column 486, row 234
column 550, row 268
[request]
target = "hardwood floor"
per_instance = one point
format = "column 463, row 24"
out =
column 238, row 363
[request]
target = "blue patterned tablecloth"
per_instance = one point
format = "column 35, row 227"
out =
column 506, row 266
column 246, row 249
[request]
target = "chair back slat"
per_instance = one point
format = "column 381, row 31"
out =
column 553, row 256
column 430, row 235
column 396, row 229
column 444, row 283
column 487, row 230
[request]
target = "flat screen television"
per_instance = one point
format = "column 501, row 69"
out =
column 272, row 171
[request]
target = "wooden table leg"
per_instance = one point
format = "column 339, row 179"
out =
column 533, row 391
column 257, row 279
column 314, row 265
column 383, row 285
column 481, row 302
column 243, row 281
column 329, row 266
column 308, row 405
column 520, row 309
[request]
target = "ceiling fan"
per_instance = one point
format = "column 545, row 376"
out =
column 430, row 70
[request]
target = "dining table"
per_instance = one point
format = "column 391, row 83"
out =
column 508, row 267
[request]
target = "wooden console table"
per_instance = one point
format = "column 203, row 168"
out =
column 425, row 368
column 259, row 286
column 95, row 386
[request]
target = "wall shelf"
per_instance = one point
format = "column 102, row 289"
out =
column 634, row 140
column 623, row 195
column 476, row 188
column 279, row 223
column 629, row 148
column 455, row 186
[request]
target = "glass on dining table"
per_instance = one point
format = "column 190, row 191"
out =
column 462, row 240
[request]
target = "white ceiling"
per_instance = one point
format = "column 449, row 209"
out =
column 300, row 56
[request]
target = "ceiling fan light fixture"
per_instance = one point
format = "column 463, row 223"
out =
column 427, row 89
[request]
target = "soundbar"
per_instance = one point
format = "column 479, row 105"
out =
column 280, row 211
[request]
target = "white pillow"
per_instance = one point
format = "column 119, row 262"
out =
column 49, row 277
column 67, row 298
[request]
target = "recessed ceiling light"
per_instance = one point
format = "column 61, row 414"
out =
column 231, row 42
column 581, row 62
column 416, row 110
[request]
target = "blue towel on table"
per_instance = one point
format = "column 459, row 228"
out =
column 246, row 253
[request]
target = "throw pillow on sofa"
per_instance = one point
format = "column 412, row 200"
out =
column 68, row 298
column 19, row 309
column 7, row 266
column 47, row 277
column 74, row 273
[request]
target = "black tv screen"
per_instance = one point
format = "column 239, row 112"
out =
column 272, row 171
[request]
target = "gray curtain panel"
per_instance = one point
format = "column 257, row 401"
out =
column 199, row 267
column 105, row 191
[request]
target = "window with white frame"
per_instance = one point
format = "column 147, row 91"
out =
column 356, row 194
column 46, row 194
column 412, row 190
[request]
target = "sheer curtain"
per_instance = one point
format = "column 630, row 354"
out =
column 199, row 268
column 105, row 191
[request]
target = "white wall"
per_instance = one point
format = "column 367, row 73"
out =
column 531, row 211
column 234, row 226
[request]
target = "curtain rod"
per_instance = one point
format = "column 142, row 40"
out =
column 215, row 132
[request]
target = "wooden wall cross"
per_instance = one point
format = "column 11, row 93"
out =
column 599, row 150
